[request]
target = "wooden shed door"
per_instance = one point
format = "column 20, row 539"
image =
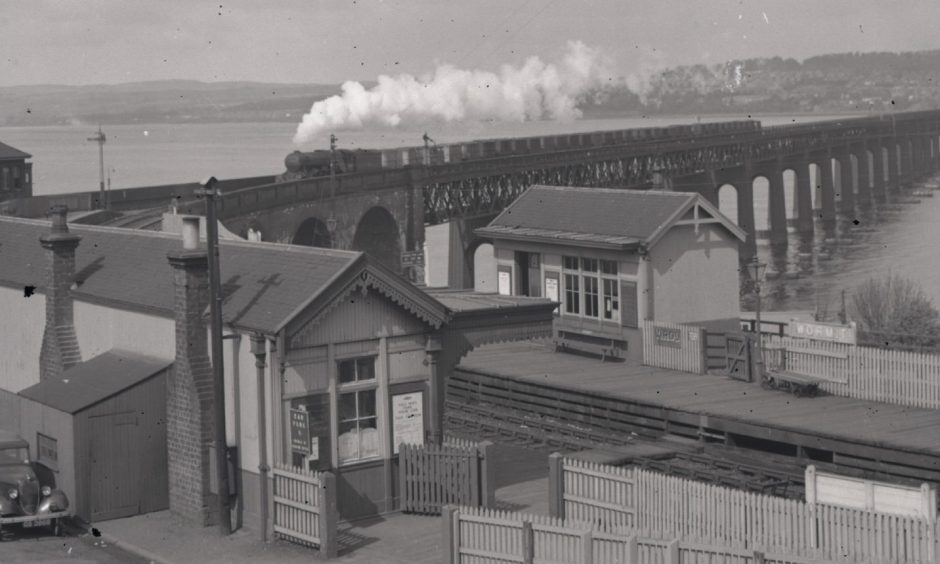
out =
column 115, row 466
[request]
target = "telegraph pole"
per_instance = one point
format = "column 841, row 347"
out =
column 218, row 375
column 100, row 139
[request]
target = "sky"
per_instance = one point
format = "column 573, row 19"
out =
column 331, row 41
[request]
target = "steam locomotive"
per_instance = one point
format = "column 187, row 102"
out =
column 311, row 164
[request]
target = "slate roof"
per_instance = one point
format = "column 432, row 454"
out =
column 95, row 380
column 592, row 216
column 263, row 283
column 10, row 153
column 469, row 300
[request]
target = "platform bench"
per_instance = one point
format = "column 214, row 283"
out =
column 801, row 385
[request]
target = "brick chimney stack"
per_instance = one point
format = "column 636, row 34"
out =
column 59, row 341
column 190, row 393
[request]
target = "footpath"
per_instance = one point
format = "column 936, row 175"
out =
column 393, row 539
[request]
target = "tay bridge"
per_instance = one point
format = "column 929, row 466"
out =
column 834, row 167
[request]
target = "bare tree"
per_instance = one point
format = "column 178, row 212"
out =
column 893, row 311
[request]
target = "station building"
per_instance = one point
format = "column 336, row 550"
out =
column 105, row 364
column 614, row 258
column 16, row 175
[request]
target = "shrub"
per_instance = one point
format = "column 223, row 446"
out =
column 893, row 311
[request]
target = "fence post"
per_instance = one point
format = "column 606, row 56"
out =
column 449, row 544
column 528, row 544
column 672, row 552
column 633, row 551
column 556, row 485
column 328, row 516
column 587, row 547
column 403, row 504
column 703, row 350
column 487, row 474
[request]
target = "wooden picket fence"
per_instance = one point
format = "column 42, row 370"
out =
column 630, row 498
column 670, row 345
column 899, row 377
column 305, row 507
column 459, row 473
column 485, row 536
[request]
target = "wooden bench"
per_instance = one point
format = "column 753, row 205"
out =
column 801, row 385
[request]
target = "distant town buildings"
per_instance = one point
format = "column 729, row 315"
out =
column 16, row 175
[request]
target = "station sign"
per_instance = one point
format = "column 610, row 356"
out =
column 412, row 258
column 300, row 431
column 668, row 336
column 830, row 332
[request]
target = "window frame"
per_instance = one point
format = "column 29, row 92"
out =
column 42, row 440
column 355, row 388
column 591, row 278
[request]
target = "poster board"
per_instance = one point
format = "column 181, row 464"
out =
column 870, row 495
column 551, row 286
column 504, row 280
column 407, row 419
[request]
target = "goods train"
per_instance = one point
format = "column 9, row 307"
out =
column 317, row 163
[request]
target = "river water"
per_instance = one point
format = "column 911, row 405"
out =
column 808, row 273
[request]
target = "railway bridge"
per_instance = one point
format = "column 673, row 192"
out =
column 833, row 166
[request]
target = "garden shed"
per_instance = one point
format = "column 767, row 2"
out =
column 101, row 427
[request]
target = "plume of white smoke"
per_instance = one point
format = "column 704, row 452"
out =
column 532, row 91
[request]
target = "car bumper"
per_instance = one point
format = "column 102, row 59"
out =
column 37, row 517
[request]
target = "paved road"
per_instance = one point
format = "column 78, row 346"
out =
column 19, row 545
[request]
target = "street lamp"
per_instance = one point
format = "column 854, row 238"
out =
column 756, row 269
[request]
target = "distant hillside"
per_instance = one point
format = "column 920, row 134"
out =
column 846, row 82
column 826, row 84
column 174, row 101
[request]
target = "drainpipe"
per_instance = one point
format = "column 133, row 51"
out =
column 258, row 349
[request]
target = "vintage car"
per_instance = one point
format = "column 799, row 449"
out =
column 28, row 495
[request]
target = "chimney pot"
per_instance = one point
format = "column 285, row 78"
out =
column 190, row 233
column 59, row 214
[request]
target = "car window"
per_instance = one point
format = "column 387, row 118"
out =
column 13, row 456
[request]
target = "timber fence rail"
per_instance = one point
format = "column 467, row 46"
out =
column 670, row 345
column 613, row 498
column 305, row 508
column 486, row 536
column 457, row 472
column 900, row 377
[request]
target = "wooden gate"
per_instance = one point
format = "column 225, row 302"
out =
column 432, row 476
column 715, row 351
column 738, row 356
column 305, row 507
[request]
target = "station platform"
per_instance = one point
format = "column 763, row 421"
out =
column 879, row 440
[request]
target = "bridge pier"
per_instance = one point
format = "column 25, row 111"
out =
column 863, row 178
column 894, row 167
column 462, row 244
column 907, row 161
column 843, row 178
column 878, row 171
column 745, row 192
column 777, row 206
column 803, row 196
column 825, row 186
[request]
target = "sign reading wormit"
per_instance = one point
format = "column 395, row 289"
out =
column 824, row 332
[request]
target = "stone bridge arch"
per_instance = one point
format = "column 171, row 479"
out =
column 313, row 232
column 378, row 234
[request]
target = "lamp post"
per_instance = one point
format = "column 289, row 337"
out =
column 756, row 269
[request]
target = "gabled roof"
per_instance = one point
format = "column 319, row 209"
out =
column 95, row 380
column 263, row 283
column 599, row 217
column 11, row 153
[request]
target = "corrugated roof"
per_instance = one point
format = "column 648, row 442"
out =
column 263, row 283
column 95, row 380
column 605, row 212
column 8, row 152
